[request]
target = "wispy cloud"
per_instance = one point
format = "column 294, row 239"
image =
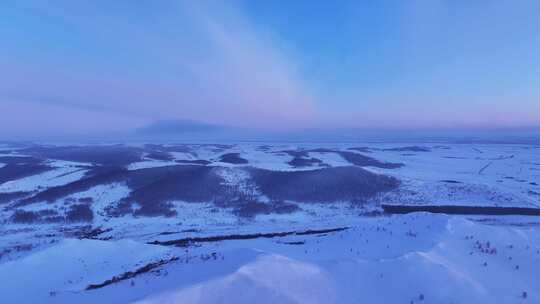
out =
column 200, row 61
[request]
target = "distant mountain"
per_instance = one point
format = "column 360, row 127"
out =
column 171, row 127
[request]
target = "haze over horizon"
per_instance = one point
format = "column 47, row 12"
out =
column 79, row 68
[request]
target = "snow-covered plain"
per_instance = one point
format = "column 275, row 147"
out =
column 57, row 177
column 280, row 257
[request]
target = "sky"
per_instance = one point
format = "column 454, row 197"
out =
column 107, row 67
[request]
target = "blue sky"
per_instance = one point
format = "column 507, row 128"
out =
column 268, row 65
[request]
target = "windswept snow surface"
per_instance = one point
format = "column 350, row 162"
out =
column 395, row 259
column 438, row 260
column 69, row 267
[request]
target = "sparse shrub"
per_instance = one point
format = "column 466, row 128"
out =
column 299, row 162
column 86, row 200
column 24, row 217
column 233, row 158
column 253, row 208
column 80, row 213
column 158, row 155
column 50, row 216
column 322, row 185
column 156, row 209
